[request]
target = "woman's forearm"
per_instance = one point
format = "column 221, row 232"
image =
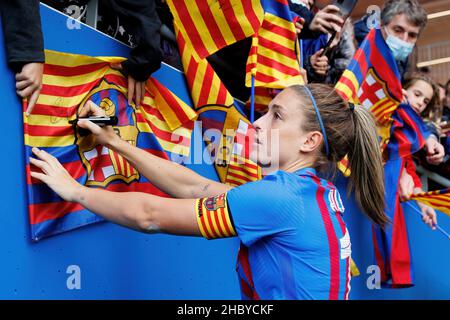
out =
column 170, row 177
column 125, row 208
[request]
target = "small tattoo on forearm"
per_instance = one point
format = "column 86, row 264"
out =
column 152, row 229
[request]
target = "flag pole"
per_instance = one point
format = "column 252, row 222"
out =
column 301, row 54
column 252, row 100
column 445, row 233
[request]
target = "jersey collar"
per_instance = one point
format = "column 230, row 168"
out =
column 306, row 172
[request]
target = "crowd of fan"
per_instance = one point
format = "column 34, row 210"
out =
column 140, row 25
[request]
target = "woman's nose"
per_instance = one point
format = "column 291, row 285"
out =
column 257, row 124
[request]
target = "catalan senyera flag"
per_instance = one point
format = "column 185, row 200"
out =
column 209, row 25
column 262, row 98
column 161, row 126
column 408, row 133
column 227, row 131
column 274, row 55
column 439, row 199
column 373, row 80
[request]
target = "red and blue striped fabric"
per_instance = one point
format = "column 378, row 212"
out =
column 391, row 245
column 408, row 133
column 372, row 78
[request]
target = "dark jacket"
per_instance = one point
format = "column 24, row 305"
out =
column 21, row 22
column 139, row 18
column 143, row 23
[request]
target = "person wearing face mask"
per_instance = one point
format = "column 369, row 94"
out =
column 401, row 24
column 423, row 97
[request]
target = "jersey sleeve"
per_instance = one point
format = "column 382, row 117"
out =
column 252, row 211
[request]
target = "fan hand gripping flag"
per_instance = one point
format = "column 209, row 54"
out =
column 439, row 199
column 161, row 126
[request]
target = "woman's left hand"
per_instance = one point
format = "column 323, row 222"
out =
column 54, row 175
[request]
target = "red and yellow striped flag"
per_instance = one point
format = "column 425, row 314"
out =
column 274, row 56
column 209, row 25
column 439, row 199
column 216, row 109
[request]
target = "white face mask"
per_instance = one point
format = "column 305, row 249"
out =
column 399, row 48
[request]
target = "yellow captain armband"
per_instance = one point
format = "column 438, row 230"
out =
column 213, row 217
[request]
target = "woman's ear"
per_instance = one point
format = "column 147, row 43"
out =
column 311, row 141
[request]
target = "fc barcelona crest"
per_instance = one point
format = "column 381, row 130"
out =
column 104, row 166
column 214, row 203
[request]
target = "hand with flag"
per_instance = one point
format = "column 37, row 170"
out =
column 405, row 185
column 136, row 89
column 29, row 83
column 429, row 216
column 438, row 199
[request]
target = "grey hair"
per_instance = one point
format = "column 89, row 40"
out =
column 411, row 8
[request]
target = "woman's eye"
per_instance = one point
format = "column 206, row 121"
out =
column 277, row 115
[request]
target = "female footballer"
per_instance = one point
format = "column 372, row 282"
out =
column 294, row 242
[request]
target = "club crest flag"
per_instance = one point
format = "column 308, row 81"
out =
column 373, row 80
column 162, row 126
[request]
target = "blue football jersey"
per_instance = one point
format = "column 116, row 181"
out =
column 294, row 242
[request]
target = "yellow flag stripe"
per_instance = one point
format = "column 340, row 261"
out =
column 201, row 25
column 199, row 212
column 272, row 54
column 222, row 222
column 43, row 120
column 70, row 81
column 49, row 141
